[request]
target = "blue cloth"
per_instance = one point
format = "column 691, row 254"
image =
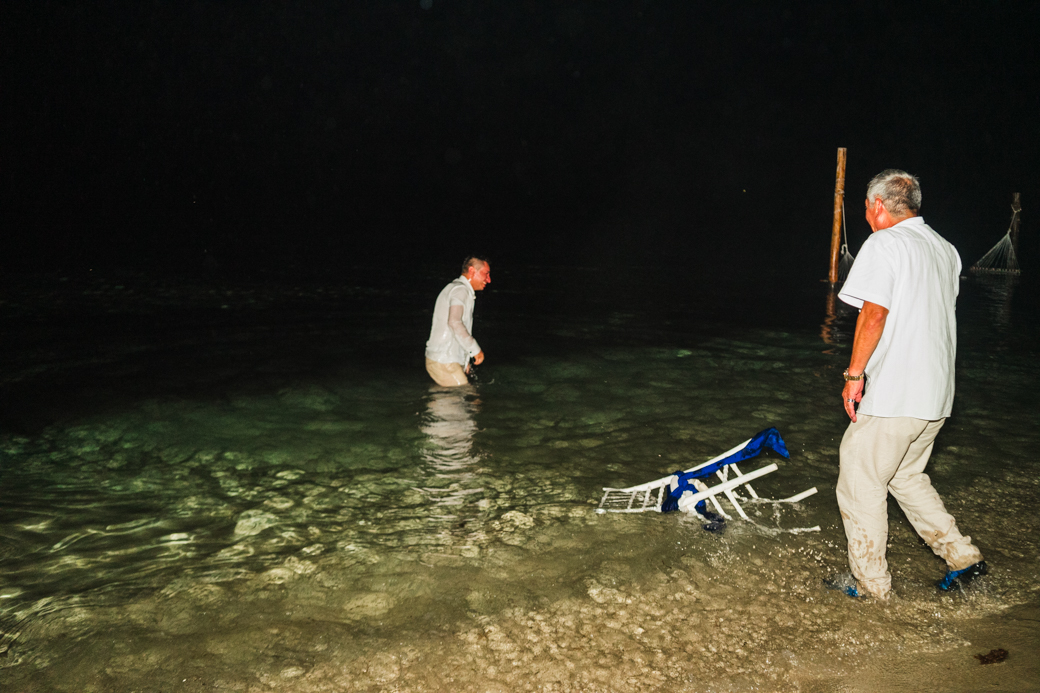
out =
column 769, row 438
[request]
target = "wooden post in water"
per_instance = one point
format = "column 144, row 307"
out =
column 1016, row 220
column 839, row 201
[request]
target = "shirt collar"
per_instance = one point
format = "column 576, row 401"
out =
column 465, row 282
column 912, row 221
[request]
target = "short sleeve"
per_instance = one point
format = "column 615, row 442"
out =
column 873, row 275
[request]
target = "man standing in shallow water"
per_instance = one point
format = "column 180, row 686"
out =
column 451, row 342
column 901, row 374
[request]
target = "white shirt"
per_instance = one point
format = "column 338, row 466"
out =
column 451, row 340
column 914, row 273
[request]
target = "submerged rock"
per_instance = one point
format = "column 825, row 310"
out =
column 253, row 522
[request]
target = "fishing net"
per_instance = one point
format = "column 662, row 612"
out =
column 846, row 258
column 1001, row 257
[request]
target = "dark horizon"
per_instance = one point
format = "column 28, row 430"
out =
column 312, row 136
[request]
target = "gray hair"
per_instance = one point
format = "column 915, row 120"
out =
column 899, row 190
column 473, row 261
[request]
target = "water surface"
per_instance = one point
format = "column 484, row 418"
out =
column 252, row 486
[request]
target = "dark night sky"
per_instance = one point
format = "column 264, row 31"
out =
column 329, row 134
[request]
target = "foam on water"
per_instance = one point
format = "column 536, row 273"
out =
column 365, row 531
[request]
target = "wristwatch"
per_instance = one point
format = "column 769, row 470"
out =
column 853, row 377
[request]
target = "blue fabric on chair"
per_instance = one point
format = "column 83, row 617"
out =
column 769, row 438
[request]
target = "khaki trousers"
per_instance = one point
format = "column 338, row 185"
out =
column 881, row 455
column 447, row 374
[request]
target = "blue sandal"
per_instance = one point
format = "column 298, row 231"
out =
column 961, row 578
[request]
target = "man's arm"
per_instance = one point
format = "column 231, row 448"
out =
column 869, row 326
column 462, row 334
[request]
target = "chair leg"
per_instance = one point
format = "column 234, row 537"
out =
column 701, row 486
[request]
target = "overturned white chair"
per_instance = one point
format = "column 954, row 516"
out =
column 655, row 495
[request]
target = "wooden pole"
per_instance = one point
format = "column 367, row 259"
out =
column 839, row 200
column 1016, row 220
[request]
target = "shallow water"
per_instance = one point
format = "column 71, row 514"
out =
column 253, row 487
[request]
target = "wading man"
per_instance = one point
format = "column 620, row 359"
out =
column 451, row 343
column 905, row 282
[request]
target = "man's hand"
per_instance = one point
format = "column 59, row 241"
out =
column 479, row 358
column 853, row 391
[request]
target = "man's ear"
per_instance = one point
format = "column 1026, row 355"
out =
column 881, row 214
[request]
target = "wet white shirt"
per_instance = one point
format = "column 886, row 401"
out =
column 451, row 339
column 914, row 273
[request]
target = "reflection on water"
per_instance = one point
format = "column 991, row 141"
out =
column 997, row 293
column 835, row 329
column 449, row 429
column 452, row 483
